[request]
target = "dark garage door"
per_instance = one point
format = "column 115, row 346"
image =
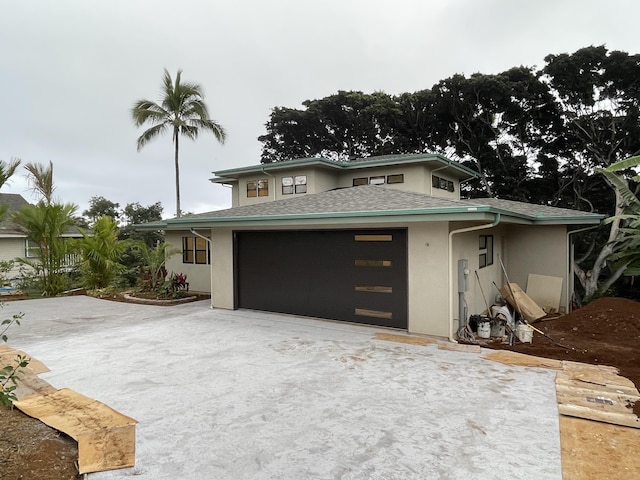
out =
column 357, row 276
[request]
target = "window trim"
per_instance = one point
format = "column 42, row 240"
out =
column 190, row 250
column 485, row 248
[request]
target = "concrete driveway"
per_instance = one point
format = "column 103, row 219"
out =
column 248, row 395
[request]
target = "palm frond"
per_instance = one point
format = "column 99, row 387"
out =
column 150, row 134
column 7, row 169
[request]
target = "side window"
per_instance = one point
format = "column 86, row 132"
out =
column 195, row 250
column 30, row 248
column 485, row 244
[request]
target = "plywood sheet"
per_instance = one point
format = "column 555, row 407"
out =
column 106, row 438
column 522, row 303
column 598, row 450
column 545, row 291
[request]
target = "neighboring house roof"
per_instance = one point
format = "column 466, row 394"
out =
column 438, row 161
column 14, row 201
column 376, row 201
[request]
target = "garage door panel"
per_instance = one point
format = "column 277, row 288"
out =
column 327, row 274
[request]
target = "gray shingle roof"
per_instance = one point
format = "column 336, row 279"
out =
column 14, row 201
column 371, row 198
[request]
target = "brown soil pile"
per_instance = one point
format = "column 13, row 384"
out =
column 605, row 332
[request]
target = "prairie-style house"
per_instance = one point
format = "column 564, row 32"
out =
column 380, row 240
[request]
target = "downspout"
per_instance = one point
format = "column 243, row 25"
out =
column 570, row 271
column 274, row 181
column 208, row 240
column 451, row 234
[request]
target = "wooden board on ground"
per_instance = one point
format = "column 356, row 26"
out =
column 391, row 337
column 596, row 392
column 106, row 438
column 8, row 355
column 598, row 450
column 514, row 358
column 545, row 291
column 459, row 347
column 522, row 303
column 29, row 384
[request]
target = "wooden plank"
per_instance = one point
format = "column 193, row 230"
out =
column 390, row 337
column 522, row 303
column 604, row 402
column 514, row 358
column 106, row 438
column 588, row 413
column 459, row 347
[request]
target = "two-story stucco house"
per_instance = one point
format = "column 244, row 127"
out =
column 381, row 240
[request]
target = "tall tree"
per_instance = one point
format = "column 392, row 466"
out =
column 341, row 126
column 599, row 94
column 182, row 111
column 133, row 214
column 99, row 207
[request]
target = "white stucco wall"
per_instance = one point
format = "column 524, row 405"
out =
column 198, row 275
column 10, row 249
column 537, row 249
column 428, row 278
column 222, row 294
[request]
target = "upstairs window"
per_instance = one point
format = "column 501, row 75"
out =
column 442, row 183
column 379, row 180
column 297, row 184
column 258, row 188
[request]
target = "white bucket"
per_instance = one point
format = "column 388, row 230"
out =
column 524, row 333
column 484, row 329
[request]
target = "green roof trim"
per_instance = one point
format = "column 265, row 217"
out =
column 227, row 176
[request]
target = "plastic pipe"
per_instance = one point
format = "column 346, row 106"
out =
column 451, row 234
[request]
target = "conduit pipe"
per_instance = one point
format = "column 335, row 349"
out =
column 485, row 226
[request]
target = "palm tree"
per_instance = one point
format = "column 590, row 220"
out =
column 182, row 110
column 7, row 169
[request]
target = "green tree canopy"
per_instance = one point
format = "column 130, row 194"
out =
column 99, row 207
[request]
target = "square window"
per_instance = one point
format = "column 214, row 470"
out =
column 450, row 186
column 399, row 178
column 301, row 179
column 287, row 189
column 377, row 180
column 301, row 188
column 435, row 181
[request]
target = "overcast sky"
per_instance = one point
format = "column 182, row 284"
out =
column 70, row 70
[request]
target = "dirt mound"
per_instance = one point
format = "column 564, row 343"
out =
column 605, row 332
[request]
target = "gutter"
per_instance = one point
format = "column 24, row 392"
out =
column 451, row 234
